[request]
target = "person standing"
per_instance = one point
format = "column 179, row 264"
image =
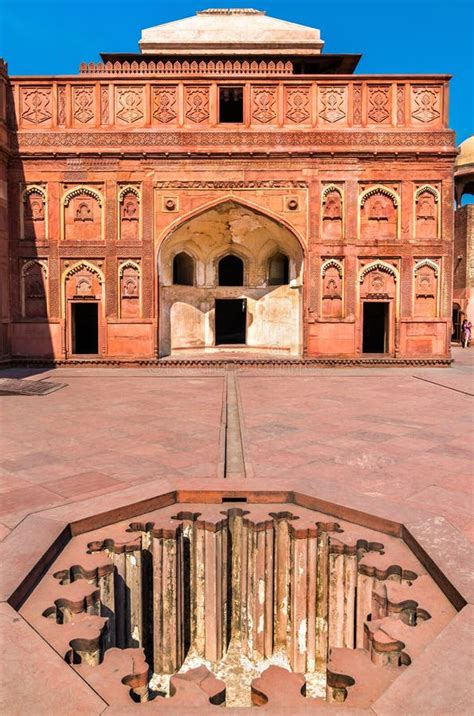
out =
column 466, row 333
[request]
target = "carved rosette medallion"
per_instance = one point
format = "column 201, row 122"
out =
column 297, row 104
column 164, row 104
column 426, row 104
column 264, row 104
column 129, row 104
column 36, row 105
column 197, row 104
column 83, row 104
column 379, row 103
column 332, row 104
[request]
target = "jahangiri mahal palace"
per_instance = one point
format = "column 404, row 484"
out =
column 231, row 187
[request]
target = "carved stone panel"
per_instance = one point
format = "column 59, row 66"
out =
column 378, row 110
column 264, row 104
column 34, row 214
column 332, row 104
column 378, row 215
column 426, row 105
column 426, row 214
column 331, row 290
column 34, row 288
column 298, row 105
column 400, row 104
column 61, row 105
column 426, row 289
column 332, row 213
column 36, row 106
column 104, row 104
column 129, row 216
column 165, row 109
column 378, row 282
column 83, row 281
column 82, row 216
column 129, row 275
column 357, row 104
column 129, row 105
column 197, row 105
column 83, row 106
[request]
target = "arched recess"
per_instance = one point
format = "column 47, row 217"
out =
column 278, row 269
column 34, row 213
column 83, row 309
column 82, row 214
column 332, row 289
column 129, row 279
column 332, row 212
column 427, row 212
column 426, row 293
column 34, row 289
column 183, row 269
column 129, row 213
column 379, row 213
column 230, row 270
column 229, row 226
column 378, row 307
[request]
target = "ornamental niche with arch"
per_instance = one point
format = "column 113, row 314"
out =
column 379, row 213
column 427, row 212
column 82, row 214
column 129, row 213
column 34, row 213
column 378, row 281
column 332, row 215
column 426, row 273
column 34, row 278
column 83, row 281
column 331, row 289
column 129, row 280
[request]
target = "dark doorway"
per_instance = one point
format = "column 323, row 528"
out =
column 278, row 270
column 231, row 320
column 183, row 269
column 231, row 105
column 375, row 338
column 231, row 271
column 85, row 328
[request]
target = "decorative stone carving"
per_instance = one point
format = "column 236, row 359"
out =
column 298, row 104
column 379, row 103
column 129, row 107
column 357, row 104
column 426, row 103
column 331, row 289
column 104, row 104
column 400, row 104
column 164, row 104
column 197, row 104
column 129, row 277
column 83, row 280
column 36, row 105
column 82, row 217
column 426, row 274
column 378, row 281
column 61, row 105
column 34, row 213
column 34, row 275
column 129, row 207
column 264, row 104
column 426, row 212
column 332, row 103
column 332, row 212
column 83, row 104
column 378, row 213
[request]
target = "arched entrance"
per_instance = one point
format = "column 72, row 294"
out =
column 246, row 287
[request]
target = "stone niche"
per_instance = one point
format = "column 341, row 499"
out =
column 238, row 600
column 187, row 307
column 82, row 215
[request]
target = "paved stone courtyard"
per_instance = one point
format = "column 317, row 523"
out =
column 401, row 435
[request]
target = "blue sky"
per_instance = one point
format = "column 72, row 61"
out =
column 55, row 36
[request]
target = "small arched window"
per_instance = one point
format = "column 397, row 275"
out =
column 278, row 270
column 183, row 269
column 231, row 271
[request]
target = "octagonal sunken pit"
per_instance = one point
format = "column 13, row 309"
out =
column 241, row 600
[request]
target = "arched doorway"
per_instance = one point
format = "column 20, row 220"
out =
column 247, row 286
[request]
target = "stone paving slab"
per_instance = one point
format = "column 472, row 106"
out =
column 15, row 386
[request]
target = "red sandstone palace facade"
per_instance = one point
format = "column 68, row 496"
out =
column 229, row 186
